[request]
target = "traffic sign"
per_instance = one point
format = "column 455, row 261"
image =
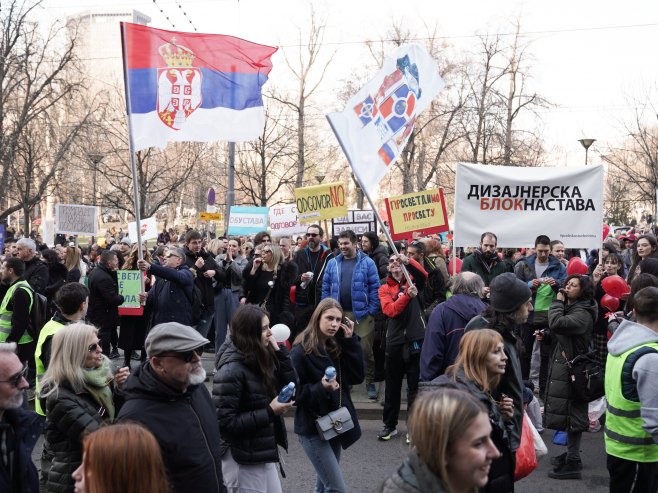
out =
column 209, row 216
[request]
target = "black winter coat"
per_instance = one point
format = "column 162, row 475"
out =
column 313, row 401
column 313, row 292
column 36, row 274
column 278, row 304
column 185, row 426
column 104, row 298
column 247, row 424
column 205, row 284
column 380, row 257
column 571, row 331
column 69, row 417
column 27, row 427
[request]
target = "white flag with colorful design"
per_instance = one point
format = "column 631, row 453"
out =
column 377, row 121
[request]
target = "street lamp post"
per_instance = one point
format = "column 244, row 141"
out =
column 586, row 143
column 95, row 158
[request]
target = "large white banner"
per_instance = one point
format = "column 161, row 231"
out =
column 519, row 203
column 76, row 219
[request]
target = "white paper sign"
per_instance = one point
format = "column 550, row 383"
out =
column 283, row 221
column 76, row 219
column 149, row 229
column 520, row 203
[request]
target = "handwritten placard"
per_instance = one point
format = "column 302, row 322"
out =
column 76, row 219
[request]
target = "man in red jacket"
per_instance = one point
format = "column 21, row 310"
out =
column 404, row 336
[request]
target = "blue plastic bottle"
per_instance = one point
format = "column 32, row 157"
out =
column 286, row 392
column 330, row 373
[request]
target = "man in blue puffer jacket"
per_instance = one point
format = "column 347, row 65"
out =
column 351, row 278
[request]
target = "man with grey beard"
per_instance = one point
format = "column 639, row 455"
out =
column 166, row 394
column 19, row 428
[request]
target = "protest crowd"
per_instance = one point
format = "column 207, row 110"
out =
column 485, row 340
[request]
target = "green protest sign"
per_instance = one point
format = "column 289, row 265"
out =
column 129, row 287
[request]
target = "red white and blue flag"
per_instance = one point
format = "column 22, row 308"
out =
column 377, row 121
column 193, row 87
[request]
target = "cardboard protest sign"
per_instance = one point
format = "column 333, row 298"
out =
column 520, row 203
column 76, row 219
column 247, row 220
column 319, row 202
column 417, row 214
column 357, row 220
column 130, row 285
column 149, row 227
column 283, row 221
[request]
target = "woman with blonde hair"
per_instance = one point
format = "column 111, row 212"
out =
column 327, row 341
column 267, row 280
column 78, row 389
column 72, row 264
column 452, row 450
column 123, row 458
column 133, row 327
column 478, row 369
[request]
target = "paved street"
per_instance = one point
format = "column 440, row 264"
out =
column 368, row 462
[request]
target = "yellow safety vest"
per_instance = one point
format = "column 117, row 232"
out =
column 624, row 436
column 48, row 330
column 5, row 315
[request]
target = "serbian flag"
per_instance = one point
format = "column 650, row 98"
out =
column 376, row 124
column 193, row 87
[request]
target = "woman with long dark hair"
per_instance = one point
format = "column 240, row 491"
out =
column 478, row 369
column 123, row 458
column 646, row 246
column 571, row 320
column 613, row 265
column 251, row 371
column 328, row 340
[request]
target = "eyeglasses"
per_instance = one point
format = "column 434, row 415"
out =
column 15, row 380
column 93, row 347
column 186, row 356
column 394, row 261
column 169, row 255
column 267, row 250
column 312, row 235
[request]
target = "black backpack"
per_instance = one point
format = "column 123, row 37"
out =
column 197, row 304
column 38, row 314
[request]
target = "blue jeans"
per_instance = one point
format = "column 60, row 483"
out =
column 226, row 302
column 204, row 322
column 325, row 457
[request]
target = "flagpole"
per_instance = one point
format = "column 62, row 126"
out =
column 372, row 205
column 131, row 147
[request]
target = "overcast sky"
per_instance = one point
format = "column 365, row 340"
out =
column 591, row 58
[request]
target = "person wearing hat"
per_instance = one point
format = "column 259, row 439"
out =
column 511, row 303
column 627, row 251
column 168, row 397
column 124, row 250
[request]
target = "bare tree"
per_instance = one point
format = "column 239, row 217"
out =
column 635, row 161
column 37, row 91
column 265, row 167
column 308, row 71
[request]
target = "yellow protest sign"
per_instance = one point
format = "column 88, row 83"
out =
column 210, row 216
column 319, row 202
column 418, row 212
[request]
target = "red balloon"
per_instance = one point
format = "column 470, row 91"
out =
column 576, row 266
column 610, row 302
column 615, row 286
column 606, row 231
column 459, row 266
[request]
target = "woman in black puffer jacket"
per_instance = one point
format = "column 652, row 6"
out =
column 571, row 320
column 79, row 399
column 251, row 371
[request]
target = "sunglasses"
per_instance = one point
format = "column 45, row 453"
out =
column 15, row 380
column 93, row 347
column 394, row 261
column 186, row 356
column 169, row 255
column 267, row 251
column 312, row 235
